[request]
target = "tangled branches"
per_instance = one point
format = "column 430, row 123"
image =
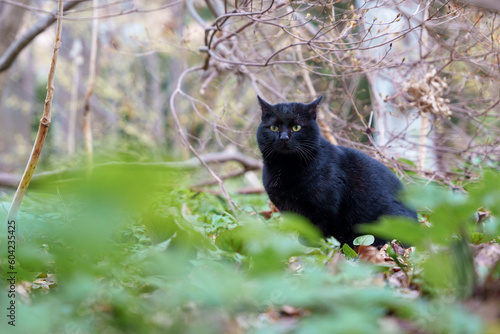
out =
column 264, row 48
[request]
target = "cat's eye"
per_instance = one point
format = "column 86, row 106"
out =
column 274, row 128
column 296, row 128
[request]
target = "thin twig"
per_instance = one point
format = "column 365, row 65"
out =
column 185, row 139
column 324, row 128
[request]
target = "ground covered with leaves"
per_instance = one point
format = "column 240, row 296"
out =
column 135, row 251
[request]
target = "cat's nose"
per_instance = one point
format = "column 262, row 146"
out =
column 284, row 136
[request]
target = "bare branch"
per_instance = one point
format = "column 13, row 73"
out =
column 19, row 44
column 185, row 139
column 133, row 10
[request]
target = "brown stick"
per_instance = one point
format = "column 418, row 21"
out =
column 87, row 125
column 222, row 177
column 42, row 129
column 242, row 191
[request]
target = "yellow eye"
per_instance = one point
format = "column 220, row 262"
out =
column 296, row 128
column 274, row 128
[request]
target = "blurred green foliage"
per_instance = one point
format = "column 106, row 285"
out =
column 447, row 266
column 134, row 252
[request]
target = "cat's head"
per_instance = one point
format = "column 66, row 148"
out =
column 288, row 128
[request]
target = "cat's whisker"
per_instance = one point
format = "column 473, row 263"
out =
column 309, row 149
column 301, row 154
column 305, row 154
column 268, row 152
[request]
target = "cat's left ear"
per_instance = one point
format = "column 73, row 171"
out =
column 264, row 106
column 311, row 107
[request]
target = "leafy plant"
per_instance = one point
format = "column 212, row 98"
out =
column 447, row 264
column 128, row 259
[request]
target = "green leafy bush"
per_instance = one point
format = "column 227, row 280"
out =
column 444, row 254
column 133, row 252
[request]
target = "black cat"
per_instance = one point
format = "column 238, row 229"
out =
column 335, row 187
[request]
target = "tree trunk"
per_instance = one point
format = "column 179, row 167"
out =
column 10, row 22
column 397, row 133
column 157, row 118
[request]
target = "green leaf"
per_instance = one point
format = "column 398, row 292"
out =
column 477, row 238
column 230, row 241
column 404, row 230
column 306, row 231
column 365, row 240
column 332, row 242
column 486, row 193
column 349, row 252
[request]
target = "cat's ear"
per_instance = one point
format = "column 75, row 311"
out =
column 311, row 107
column 264, row 106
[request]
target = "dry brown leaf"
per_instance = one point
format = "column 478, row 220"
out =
column 400, row 250
column 291, row 311
column 44, row 282
column 285, row 312
column 335, row 259
column 273, row 207
column 398, row 279
column 372, row 254
column 266, row 214
column 483, row 214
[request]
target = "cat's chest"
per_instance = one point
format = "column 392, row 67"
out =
column 287, row 187
column 308, row 190
column 284, row 178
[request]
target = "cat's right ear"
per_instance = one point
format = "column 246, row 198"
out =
column 264, row 106
column 313, row 105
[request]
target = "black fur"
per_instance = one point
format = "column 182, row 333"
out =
column 335, row 187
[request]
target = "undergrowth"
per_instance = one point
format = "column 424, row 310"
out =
column 135, row 252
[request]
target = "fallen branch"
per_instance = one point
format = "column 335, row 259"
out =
column 43, row 127
column 9, row 180
column 222, row 177
column 248, row 164
column 242, row 191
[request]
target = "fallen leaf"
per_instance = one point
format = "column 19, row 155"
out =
column 371, row 254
